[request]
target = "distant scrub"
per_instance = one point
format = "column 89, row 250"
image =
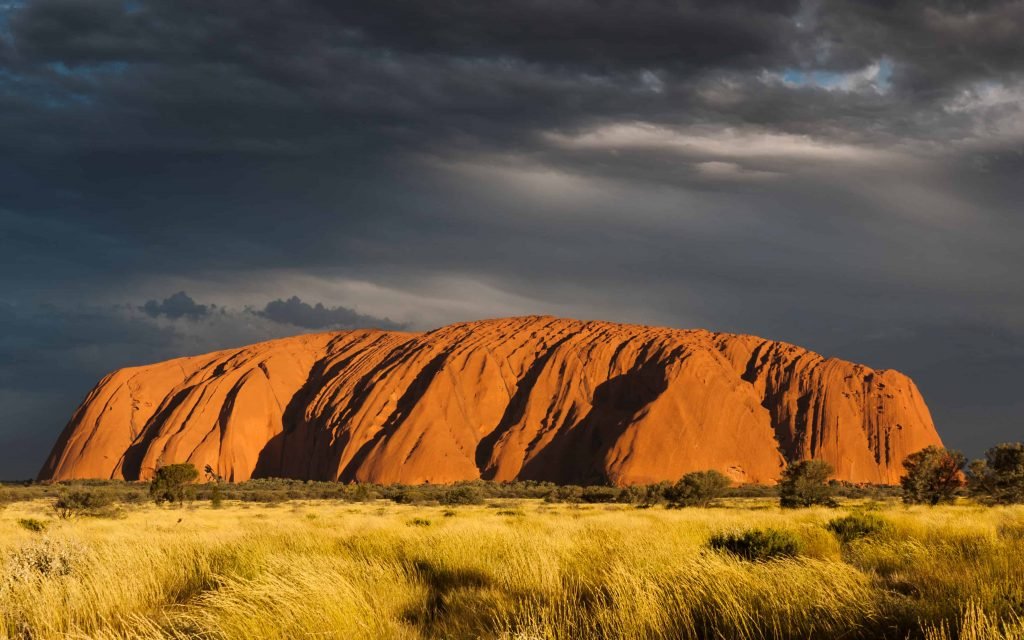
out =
column 276, row 490
column 598, row 494
column 462, row 495
column 999, row 477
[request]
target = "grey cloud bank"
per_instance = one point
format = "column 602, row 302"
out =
column 842, row 175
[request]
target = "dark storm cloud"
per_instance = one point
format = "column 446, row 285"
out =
column 178, row 305
column 843, row 174
column 294, row 311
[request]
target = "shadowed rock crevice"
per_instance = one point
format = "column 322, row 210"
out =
column 514, row 411
column 576, row 453
column 132, row 458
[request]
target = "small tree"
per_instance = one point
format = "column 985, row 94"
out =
column 83, row 502
column 465, row 494
column 805, row 484
column 643, row 496
column 932, row 475
column 216, row 495
column 999, row 478
column 697, row 489
column 654, row 494
column 173, row 483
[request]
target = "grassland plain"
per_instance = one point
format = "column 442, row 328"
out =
column 512, row 569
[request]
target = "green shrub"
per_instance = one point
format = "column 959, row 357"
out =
column 567, row 493
column 999, row 478
column 932, row 475
column 462, row 495
column 631, row 494
column 644, row 495
column 410, row 495
column 173, row 483
column 856, row 526
column 82, row 503
column 32, row 524
column 599, row 494
column 214, row 480
column 216, row 496
column 757, row 544
column 805, row 484
column 697, row 489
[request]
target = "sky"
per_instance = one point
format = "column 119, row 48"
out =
column 182, row 176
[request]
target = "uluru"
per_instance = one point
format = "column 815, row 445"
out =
column 529, row 398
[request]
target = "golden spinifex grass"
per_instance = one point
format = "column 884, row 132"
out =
column 519, row 569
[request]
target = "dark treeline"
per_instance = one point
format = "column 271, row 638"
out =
column 931, row 476
column 269, row 490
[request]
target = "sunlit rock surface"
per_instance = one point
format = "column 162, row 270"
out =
column 521, row 398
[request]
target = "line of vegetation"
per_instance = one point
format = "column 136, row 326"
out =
column 932, row 476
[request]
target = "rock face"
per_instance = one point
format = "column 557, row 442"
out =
column 523, row 398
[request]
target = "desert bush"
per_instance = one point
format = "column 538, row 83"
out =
column 857, row 525
column 264, row 496
column 599, row 494
column 565, row 493
column 757, row 544
column 82, row 503
column 45, row 557
column 932, row 475
column 216, row 496
column 844, row 489
column 805, row 484
column 410, row 495
column 644, row 495
column 466, row 494
column 361, row 493
column 697, row 489
column 214, row 481
column 173, row 483
column 32, row 524
column 631, row 494
column 999, row 478
column 752, row 491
